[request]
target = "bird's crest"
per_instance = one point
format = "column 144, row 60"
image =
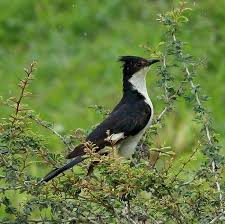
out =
column 125, row 59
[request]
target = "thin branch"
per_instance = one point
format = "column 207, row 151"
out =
column 3, row 159
column 171, row 98
column 23, row 85
column 49, row 127
column 161, row 114
column 160, row 150
column 185, row 163
column 220, row 217
column 206, row 128
column 3, row 189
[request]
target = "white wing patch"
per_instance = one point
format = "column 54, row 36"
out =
column 114, row 138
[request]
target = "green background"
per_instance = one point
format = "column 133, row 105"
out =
column 77, row 44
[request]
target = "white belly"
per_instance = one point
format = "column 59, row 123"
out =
column 128, row 146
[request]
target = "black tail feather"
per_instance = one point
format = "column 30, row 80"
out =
column 54, row 173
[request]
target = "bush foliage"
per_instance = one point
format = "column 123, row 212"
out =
column 154, row 187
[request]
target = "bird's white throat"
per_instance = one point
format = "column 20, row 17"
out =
column 138, row 82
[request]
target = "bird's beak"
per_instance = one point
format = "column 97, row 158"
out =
column 152, row 61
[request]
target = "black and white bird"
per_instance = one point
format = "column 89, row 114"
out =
column 127, row 122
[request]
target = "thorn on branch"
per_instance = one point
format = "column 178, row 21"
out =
column 23, row 84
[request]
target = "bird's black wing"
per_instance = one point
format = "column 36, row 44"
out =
column 126, row 121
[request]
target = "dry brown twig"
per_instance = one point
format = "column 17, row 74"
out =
column 23, row 84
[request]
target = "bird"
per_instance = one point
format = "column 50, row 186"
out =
column 127, row 122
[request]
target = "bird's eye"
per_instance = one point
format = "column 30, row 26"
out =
column 139, row 64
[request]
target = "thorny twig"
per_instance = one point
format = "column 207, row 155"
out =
column 49, row 127
column 220, row 217
column 171, row 98
column 23, row 85
column 185, row 163
column 206, row 127
column 166, row 94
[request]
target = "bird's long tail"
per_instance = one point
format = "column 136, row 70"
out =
column 54, row 173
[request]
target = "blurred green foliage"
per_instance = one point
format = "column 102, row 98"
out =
column 76, row 44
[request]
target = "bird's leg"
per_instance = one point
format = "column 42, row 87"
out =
column 94, row 163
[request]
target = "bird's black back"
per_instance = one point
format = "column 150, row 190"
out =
column 130, row 116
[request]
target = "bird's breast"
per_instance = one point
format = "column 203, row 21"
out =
column 128, row 146
column 149, row 102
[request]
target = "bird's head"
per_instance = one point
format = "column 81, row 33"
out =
column 135, row 65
